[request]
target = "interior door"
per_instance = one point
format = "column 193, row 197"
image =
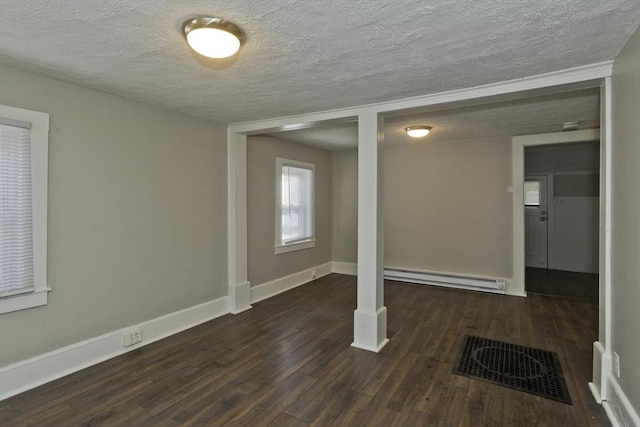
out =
column 535, row 221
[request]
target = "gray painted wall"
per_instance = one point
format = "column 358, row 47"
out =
column 263, row 264
column 564, row 157
column 625, row 238
column 344, row 169
column 446, row 206
column 137, row 214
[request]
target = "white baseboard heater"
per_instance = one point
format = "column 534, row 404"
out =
column 484, row 284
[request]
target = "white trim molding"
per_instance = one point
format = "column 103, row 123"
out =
column 618, row 407
column 602, row 365
column 39, row 135
column 370, row 317
column 283, row 284
column 34, row 298
column 349, row 268
column 33, row 372
column 297, row 246
column 370, row 329
column 602, row 360
column 591, row 74
column 238, row 283
column 303, row 242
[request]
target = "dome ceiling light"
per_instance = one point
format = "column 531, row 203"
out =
column 418, row 131
column 213, row 37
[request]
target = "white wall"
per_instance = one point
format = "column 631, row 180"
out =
column 137, row 215
column 263, row 264
column 625, row 239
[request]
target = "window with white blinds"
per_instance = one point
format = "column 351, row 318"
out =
column 24, row 152
column 16, row 228
column 295, row 205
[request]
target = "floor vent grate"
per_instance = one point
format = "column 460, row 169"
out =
column 521, row 368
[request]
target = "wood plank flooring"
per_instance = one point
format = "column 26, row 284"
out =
column 288, row 362
column 562, row 283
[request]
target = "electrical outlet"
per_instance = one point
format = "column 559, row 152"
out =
column 133, row 337
column 616, row 364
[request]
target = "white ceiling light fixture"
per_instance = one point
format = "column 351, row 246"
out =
column 213, row 37
column 418, row 131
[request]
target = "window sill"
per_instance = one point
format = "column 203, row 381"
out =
column 298, row 246
column 24, row 301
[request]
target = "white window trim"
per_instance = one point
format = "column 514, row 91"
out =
column 39, row 176
column 281, row 248
column 297, row 246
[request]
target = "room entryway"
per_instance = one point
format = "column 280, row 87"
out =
column 561, row 198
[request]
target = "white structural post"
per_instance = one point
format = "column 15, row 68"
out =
column 239, row 287
column 370, row 317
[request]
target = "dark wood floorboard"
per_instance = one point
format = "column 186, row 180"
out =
column 288, row 362
column 562, row 283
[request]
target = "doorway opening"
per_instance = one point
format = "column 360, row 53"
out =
column 561, row 205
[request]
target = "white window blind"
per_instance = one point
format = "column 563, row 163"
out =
column 532, row 193
column 16, row 228
column 297, row 204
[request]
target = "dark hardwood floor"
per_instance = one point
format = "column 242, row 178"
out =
column 288, row 362
column 562, row 283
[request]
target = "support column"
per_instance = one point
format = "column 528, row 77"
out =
column 239, row 288
column 370, row 317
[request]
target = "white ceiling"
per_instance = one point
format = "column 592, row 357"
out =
column 304, row 56
column 518, row 117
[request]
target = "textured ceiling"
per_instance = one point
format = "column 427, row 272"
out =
column 519, row 117
column 303, row 56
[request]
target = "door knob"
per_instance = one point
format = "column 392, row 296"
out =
column 543, row 218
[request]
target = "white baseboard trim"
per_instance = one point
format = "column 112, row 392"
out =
column 370, row 329
column 618, row 407
column 601, row 366
column 283, row 284
column 595, row 391
column 350, row 268
column 242, row 300
column 33, row 372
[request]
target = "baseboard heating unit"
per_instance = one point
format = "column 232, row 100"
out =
column 484, row 284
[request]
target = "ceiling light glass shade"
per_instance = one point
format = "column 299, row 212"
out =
column 418, row 131
column 213, row 37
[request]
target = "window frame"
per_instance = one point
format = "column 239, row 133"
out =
column 297, row 245
column 39, row 135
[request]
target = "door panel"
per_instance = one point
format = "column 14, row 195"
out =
column 535, row 221
column 575, row 237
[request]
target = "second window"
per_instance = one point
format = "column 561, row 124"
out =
column 294, row 205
